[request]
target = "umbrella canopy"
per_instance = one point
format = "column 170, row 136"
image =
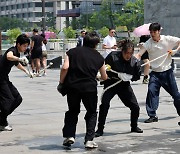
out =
column 142, row 30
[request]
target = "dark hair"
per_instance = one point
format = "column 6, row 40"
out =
column 111, row 29
column 125, row 44
column 35, row 30
column 43, row 35
column 91, row 39
column 154, row 27
column 22, row 39
column 144, row 38
column 83, row 31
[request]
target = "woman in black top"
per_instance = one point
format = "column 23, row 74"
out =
column 129, row 69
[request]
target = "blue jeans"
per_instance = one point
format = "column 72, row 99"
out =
column 157, row 80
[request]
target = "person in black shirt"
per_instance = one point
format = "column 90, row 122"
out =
column 10, row 98
column 36, row 50
column 78, row 75
column 129, row 69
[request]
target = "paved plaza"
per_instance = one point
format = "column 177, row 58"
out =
column 38, row 121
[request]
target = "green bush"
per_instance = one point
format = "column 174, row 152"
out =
column 69, row 32
column 13, row 34
column 104, row 31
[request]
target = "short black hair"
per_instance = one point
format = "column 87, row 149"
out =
column 154, row 27
column 43, row 35
column 35, row 30
column 111, row 29
column 91, row 39
column 22, row 39
column 83, row 31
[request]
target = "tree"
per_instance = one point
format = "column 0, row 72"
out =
column 69, row 32
column 133, row 15
column 10, row 23
column 103, row 31
column 13, row 34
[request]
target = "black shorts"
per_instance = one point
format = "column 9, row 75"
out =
column 36, row 53
column 145, row 56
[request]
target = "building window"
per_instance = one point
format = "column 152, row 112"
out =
column 58, row 4
column 38, row 14
column 49, row 4
column 38, row 4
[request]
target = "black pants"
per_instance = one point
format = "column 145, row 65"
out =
column 10, row 99
column 126, row 94
column 89, row 100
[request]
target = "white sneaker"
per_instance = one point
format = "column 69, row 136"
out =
column 6, row 128
column 68, row 141
column 91, row 144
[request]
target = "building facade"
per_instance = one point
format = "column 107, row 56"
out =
column 166, row 12
column 31, row 10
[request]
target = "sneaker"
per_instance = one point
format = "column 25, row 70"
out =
column 99, row 133
column 91, row 144
column 68, row 141
column 145, row 81
column 136, row 130
column 151, row 119
column 6, row 128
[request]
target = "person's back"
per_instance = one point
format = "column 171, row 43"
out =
column 84, row 63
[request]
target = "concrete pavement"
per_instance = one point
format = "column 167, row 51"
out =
column 38, row 121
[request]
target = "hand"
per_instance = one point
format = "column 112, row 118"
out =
column 24, row 60
column 61, row 89
column 124, row 76
column 29, row 74
column 107, row 67
column 140, row 45
column 173, row 52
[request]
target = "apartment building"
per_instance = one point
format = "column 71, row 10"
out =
column 31, row 10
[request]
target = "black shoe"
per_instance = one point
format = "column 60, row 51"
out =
column 136, row 130
column 151, row 119
column 99, row 133
column 179, row 123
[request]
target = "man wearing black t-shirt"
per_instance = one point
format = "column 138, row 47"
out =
column 36, row 50
column 10, row 98
column 78, row 76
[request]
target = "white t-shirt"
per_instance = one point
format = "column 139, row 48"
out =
column 109, row 41
column 157, row 49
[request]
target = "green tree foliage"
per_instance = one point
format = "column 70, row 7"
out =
column 13, row 34
column 103, row 31
column 69, row 32
column 132, row 15
column 10, row 23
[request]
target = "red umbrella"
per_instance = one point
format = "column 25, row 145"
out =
column 142, row 30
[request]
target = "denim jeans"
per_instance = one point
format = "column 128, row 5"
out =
column 157, row 80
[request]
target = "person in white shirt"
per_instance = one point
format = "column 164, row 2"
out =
column 162, row 73
column 109, row 43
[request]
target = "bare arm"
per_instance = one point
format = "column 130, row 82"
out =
column 107, row 47
column 103, row 72
column 11, row 57
column 64, row 69
column 141, row 52
column 19, row 66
